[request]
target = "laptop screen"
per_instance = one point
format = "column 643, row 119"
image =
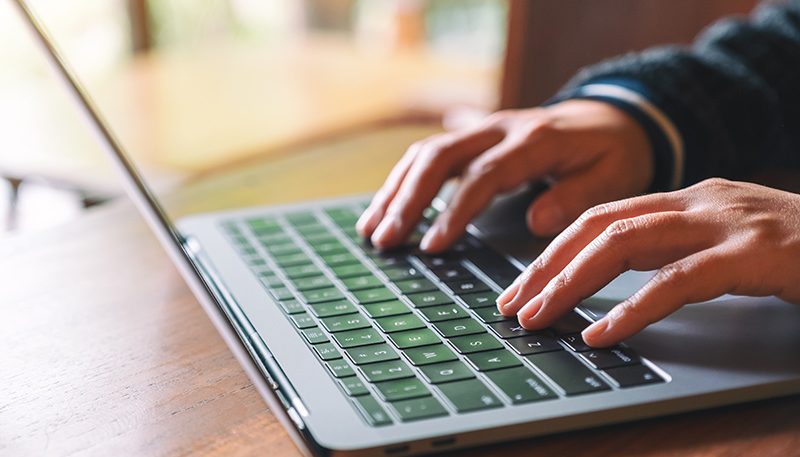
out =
column 238, row 104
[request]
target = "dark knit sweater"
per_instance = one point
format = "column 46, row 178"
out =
column 734, row 95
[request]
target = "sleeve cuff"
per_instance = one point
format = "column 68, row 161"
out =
column 665, row 139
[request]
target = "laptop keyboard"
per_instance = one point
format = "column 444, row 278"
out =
column 409, row 336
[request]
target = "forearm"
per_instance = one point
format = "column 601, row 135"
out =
column 733, row 97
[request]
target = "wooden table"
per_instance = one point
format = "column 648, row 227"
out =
column 105, row 351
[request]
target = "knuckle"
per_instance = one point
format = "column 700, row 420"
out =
column 672, row 275
column 594, row 214
column 481, row 169
column 632, row 310
column 620, row 230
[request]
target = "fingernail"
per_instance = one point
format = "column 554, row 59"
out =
column 432, row 238
column 549, row 218
column 386, row 232
column 595, row 330
column 507, row 295
column 530, row 310
column 367, row 221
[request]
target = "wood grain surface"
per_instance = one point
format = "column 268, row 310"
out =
column 103, row 351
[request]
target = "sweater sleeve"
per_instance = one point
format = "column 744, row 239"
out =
column 733, row 96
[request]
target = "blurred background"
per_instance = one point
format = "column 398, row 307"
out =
column 201, row 92
column 192, row 85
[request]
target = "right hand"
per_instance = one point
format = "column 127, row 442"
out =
column 592, row 151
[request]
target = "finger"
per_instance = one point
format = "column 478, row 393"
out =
column 488, row 175
column 573, row 194
column 641, row 243
column 435, row 163
column 507, row 165
column 580, row 233
column 377, row 207
column 672, row 287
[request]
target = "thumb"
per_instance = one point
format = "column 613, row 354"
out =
column 565, row 200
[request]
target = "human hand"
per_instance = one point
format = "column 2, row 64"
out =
column 592, row 151
column 713, row 238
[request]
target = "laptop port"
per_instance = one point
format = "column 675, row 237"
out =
column 397, row 450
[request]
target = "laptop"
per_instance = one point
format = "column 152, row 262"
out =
column 359, row 352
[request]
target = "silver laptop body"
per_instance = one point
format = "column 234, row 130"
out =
column 729, row 350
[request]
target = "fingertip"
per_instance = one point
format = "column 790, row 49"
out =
column 597, row 334
column 527, row 315
column 386, row 233
column 507, row 295
column 367, row 223
column 432, row 241
column 546, row 217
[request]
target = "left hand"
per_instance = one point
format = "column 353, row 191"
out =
column 713, row 238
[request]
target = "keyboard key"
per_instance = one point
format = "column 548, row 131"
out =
column 361, row 283
column 610, row 358
column 372, row 411
column 418, row 408
column 333, row 308
column 459, row 327
column 399, row 323
column 340, row 259
column 424, row 299
column 452, row 273
column 327, row 351
column 361, row 337
column 387, row 260
column 429, row 354
column 314, row 231
column 446, row 372
column 572, row 322
column 282, row 294
column 475, row 343
column 633, row 375
column 272, row 282
column 575, row 342
column 291, row 260
column 443, row 313
column 292, row 306
column 438, row 261
column 349, row 271
column 315, row 335
column 371, row 354
column 414, row 338
column 566, row 371
column 340, row 368
column 492, row 314
column 535, row 344
column 353, row 386
column 302, row 320
column 283, row 249
column 469, row 395
column 402, row 273
column 509, row 329
column 302, row 218
column 311, row 283
column 386, row 371
column 521, row 385
column 467, row 286
column 388, row 308
column 492, row 360
column 302, row 271
column 364, row 297
column 321, row 295
column 345, row 323
column 402, row 389
column 410, row 286
column 480, row 299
